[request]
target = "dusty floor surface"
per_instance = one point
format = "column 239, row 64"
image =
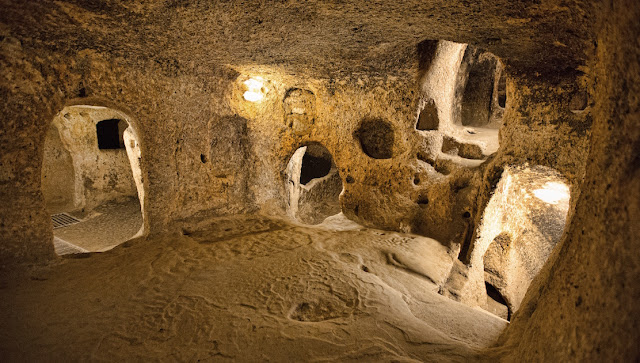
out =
column 104, row 227
column 246, row 288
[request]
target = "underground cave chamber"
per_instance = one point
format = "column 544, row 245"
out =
column 91, row 173
column 508, row 240
column 457, row 124
column 91, row 179
column 319, row 181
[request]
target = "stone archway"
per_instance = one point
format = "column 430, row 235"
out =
column 313, row 185
column 105, row 207
column 521, row 224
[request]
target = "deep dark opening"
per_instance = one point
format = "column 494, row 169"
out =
column 495, row 295
column 464, row 255
column 426, row 52
column 502, row 90
column 478, row 89
column 314, row 166
column 316, row 184
column 110, row 134
column 428, row 119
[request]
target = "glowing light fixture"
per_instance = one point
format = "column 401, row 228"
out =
column 255, row 89
column 552, row 193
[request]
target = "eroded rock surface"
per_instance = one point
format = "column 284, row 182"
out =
column 241, row 288
column 424, row 107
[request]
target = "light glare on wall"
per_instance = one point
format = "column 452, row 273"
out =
column 255, row 89
column 552, row 193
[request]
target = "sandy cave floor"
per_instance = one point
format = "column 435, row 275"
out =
column 101, row 229
column 245, row 288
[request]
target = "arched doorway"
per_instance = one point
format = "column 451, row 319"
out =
column 91, row 179
column 521, row 224
column 314, row 185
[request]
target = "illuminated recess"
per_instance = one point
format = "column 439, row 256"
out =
column 522, row 223
column 255, row 89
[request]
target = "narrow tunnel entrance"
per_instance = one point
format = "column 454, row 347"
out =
column 476, row 108
column 502, row 90
column 313, row 185
column 314, row 166
column 91, row 179
column 463, row 112
column 496, row 304
column 481, row 89
column 478, row 90
column 110, row 134
column 521, row 225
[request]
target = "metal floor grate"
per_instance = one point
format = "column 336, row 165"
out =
column 63, row 220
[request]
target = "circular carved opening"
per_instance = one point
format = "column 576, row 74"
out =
column 376, row 137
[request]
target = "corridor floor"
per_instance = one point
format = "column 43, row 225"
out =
column 246, row 288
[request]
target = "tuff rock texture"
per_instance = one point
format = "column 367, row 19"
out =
column 422, row 110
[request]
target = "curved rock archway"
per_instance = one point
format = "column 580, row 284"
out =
column 91, row 179
column 314, row 185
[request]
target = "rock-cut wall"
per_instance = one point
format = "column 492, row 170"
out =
column 583, row 305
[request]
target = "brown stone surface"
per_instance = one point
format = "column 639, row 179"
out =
column 245, row 288
column 583, row 306
column 355, row 78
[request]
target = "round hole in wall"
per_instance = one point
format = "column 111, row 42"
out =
column 416, row 180
column 376, row 137
column 313, row 185
column 466, row 215
column 203, row 158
